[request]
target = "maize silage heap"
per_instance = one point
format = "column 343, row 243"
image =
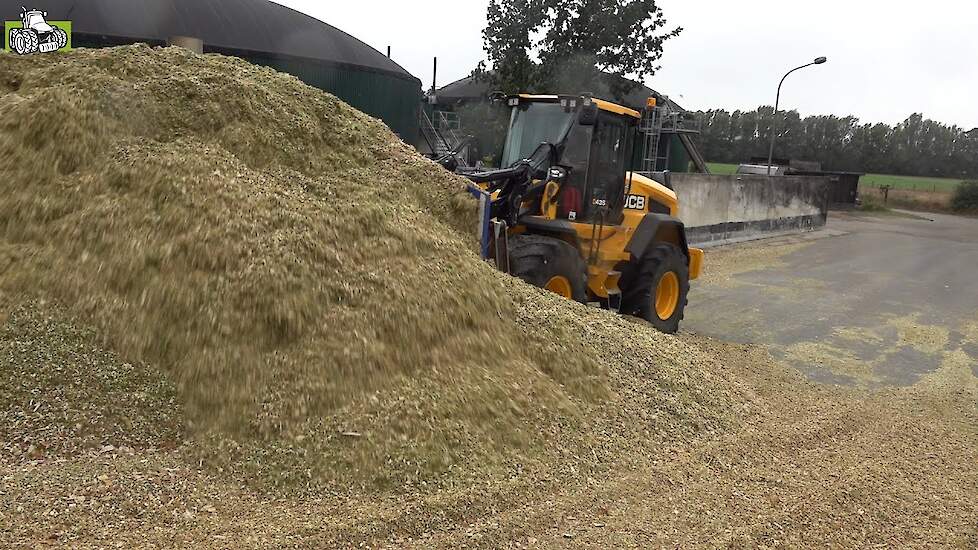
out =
column 306, row 282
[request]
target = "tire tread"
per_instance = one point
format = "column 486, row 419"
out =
column 536, row 258
column 638, row 286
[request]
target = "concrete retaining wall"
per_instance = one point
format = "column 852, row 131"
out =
column 726, row 208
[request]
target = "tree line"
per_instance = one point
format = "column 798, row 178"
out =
column 915, row 147
column 597, row 45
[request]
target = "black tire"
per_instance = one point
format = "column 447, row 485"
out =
column 537, row 259
column 30, row 41
column 60, row 37
column 16, row 42
column 640, row 282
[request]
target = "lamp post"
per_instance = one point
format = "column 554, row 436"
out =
column 774, row 122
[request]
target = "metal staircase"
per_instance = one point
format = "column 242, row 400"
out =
column 442, row 131
column 659, row 125
column 436, row 142
column 651, row 127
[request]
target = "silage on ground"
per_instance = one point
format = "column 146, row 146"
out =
column 305, row 279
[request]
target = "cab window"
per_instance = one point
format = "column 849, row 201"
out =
column 610, row 147
column 576, row 159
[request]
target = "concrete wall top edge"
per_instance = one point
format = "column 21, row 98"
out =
column 709, row 200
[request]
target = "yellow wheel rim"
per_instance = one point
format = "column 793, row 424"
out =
column 559, row 285
column 667, row 296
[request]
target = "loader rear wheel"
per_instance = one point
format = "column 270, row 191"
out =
column 60, row 37
column 657, row 288
column 549, row 263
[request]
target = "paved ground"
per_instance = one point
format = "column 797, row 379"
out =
column 872, row 301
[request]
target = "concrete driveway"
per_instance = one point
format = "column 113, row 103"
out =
column 871, row 301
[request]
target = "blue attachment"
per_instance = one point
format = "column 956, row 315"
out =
column 485, row 222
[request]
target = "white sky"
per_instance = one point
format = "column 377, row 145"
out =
column 887, row 59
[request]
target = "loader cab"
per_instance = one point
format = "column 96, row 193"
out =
column 34, row 19
column 592, row 139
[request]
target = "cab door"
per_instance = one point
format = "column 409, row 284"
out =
column 610, row 147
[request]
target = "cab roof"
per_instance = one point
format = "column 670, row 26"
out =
column 602, row 104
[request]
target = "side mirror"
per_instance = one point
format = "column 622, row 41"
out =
column 588, row 115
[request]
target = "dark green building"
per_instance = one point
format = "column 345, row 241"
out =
column 259, row 31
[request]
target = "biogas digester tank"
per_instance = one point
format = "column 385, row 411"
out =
column 259, row 31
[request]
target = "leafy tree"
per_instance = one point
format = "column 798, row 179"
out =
column 966, row 197
column 572, row 46
column 508, row 44
column 916, row 146
column 486, row 123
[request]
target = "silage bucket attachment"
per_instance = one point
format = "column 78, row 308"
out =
column 492, row 233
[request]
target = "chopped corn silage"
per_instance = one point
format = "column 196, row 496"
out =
column 306, row 281
column 227, row 296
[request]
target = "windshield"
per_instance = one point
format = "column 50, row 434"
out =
column 532, row 124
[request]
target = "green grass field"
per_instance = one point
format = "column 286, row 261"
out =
column 722, row 169
column 910, row 182
column 874, row 180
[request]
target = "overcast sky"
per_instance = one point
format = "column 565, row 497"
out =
column 887, row 59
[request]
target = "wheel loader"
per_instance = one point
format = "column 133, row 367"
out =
column 567, row 215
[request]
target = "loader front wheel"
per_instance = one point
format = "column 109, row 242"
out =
column 657, row 288
column 17, row 42
column 559, row 285
column 549, row 263
column 26, row 42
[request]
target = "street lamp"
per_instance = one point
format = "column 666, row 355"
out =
column 774, row 122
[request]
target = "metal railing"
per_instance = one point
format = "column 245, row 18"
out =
column 442, row 132
column 448, row 120
column 450, row 126
column 659, row 121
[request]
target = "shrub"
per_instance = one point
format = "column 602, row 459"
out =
column 966, row 196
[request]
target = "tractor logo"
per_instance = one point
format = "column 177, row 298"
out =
column 33, row 34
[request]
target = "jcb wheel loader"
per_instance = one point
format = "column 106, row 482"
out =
column 566, row 214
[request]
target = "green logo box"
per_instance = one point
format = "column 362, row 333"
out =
column 9, row 25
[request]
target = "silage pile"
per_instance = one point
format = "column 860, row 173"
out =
column 304, row 282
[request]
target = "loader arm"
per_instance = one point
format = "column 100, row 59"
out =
column 509, row 187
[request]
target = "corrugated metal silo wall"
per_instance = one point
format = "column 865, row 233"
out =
column 390, row 98
column 678, row 156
